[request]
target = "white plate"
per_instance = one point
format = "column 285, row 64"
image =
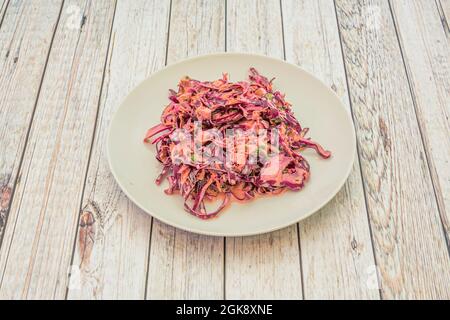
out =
column 316, row 106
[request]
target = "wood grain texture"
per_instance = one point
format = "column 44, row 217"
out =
column 38, row 242
column 336, row 247
column 265, row 266
column 427, row 60
column 409, row 242
column 184, row 265
column 112, row 253
column 25, row 39
column 59, row 90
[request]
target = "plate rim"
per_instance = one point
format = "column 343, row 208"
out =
column 227, row 234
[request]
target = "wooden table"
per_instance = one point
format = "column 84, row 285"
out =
column 67, row 230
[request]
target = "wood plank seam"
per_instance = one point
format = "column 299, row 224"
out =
column 3, row 8
column 251, row 260
column 225, row 238
column 108, row 54
column 357, row 146
column 190, row 261
column 444, row 21
column 22, row 154
column 152, row 219
column 282, row 30
column 226, row 21
column 334, row 241
column 297, row 224
column 224, row 268
column 302, row 279
column 173, row 248
column 168, row 32
column 428, row 156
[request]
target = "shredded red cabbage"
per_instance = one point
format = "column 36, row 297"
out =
column 247, row 106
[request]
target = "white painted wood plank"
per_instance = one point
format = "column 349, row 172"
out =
column 112, row 253
column 185, row 265
column 39, row 236
column 265, row 266
column 409, row 241
column 335, row 242
column 427, row 59
column 25, row 38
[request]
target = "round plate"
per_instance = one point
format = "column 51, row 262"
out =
column 135, row 168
